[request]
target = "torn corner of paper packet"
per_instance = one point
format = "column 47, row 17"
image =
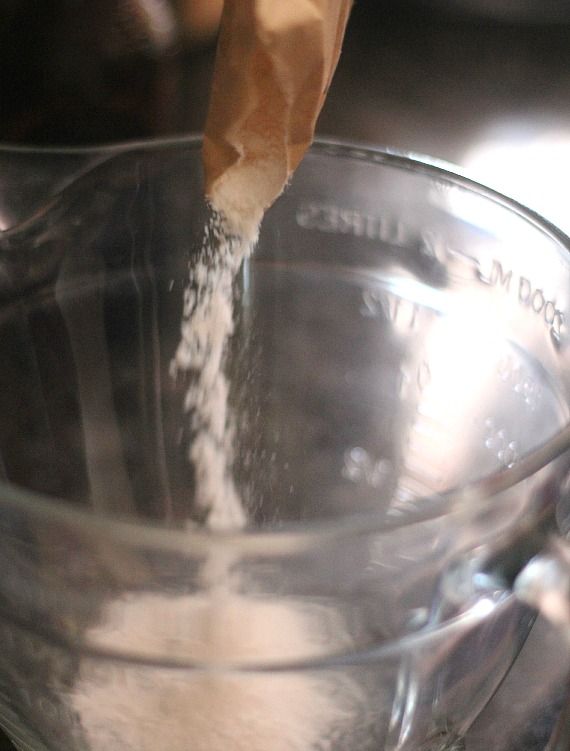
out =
column 274, row 64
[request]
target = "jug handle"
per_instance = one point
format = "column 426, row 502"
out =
column 538, row 574
column 544, row 584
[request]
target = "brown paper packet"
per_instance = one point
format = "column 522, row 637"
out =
column 274, row 63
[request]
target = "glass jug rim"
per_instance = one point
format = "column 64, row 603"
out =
column 298, row 536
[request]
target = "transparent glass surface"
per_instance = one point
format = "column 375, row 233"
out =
column 400, row 389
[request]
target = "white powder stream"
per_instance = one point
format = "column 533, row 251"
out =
column 216, row 708
column 207, row 325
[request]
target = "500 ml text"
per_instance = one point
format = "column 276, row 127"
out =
column 348, row 221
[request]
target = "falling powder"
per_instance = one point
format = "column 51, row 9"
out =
column 217, row 707
column 254, row 139
column 207, row 324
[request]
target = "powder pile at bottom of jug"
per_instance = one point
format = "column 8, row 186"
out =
column 138, row 708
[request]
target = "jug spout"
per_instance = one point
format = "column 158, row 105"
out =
column 31, row 177
column 544, row 583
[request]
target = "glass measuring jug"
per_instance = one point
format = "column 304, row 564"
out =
column 400, row 392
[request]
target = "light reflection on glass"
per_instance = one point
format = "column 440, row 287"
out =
column 454, row 378
column 529, row 166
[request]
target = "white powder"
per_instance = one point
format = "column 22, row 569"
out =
column 206, row 327
column 217, row 708
column 149, row 709
column 261, row 120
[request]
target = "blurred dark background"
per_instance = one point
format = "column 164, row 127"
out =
column 482, row 83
